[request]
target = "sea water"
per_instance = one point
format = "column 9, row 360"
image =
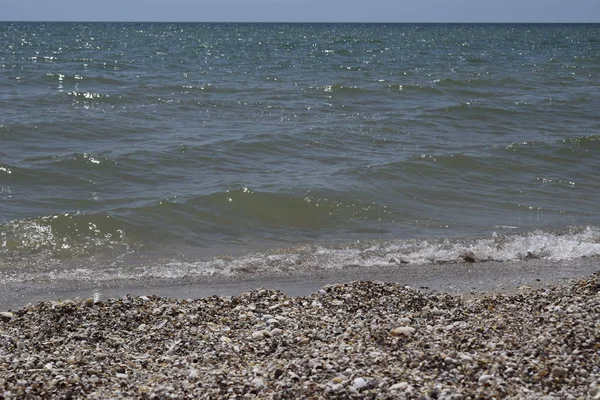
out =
column 139, row 151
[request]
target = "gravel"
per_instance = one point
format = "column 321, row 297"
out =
column 354, row 340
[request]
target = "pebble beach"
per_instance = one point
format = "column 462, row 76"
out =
column 355, row 340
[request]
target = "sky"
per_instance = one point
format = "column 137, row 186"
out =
column 302, row 10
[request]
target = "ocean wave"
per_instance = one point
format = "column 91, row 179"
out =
column 89, row 96
column 580, row 144
column 68, row 170
column 415, row 88
column 62, row 236
column 571, row 244
column 589, row 142
column 247, row 208
column 191, row 220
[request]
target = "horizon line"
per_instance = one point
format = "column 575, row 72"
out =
column 306, row 22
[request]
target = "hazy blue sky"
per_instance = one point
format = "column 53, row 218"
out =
column 304, row 10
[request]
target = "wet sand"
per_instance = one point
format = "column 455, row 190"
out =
column 457, row 278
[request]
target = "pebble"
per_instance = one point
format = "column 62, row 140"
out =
column 399, row 386
column 449, row 360
column 359, row 383
column 403, row 330
column 485, row 378
column 258, row 335
column 6, row 315
column 559, row 372
column 276, row 332
column 594, row 392
column 257, row 382
column 89, row 302
column 337, row 387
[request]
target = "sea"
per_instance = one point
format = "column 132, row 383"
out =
column 137, row 153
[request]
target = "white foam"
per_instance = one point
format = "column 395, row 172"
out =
column 584, row 242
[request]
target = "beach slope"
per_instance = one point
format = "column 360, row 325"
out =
column 356, row 340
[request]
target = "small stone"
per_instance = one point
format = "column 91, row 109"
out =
column 258, row 335
column 6, row 315
column 225, row 339
column 193, row 374
column 88, row 302
column 142, row 328
column 273, row 321
column 257, row 382
column 399, row 386
column 145, row 298
column 594, row 393
column 359, row 383
column 122, row 375
column 485, row 378
column 559, row 372
column 276, row 332
column 438, row 312
column 402, row 330
column 337, row 387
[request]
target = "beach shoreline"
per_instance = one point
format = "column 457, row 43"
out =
column 356, row 340
column 454, row 278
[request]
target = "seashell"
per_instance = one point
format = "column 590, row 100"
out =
column 402, row 330
column 6, row 315
column 160, row 324
column 225, row 339
column 399, row 386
